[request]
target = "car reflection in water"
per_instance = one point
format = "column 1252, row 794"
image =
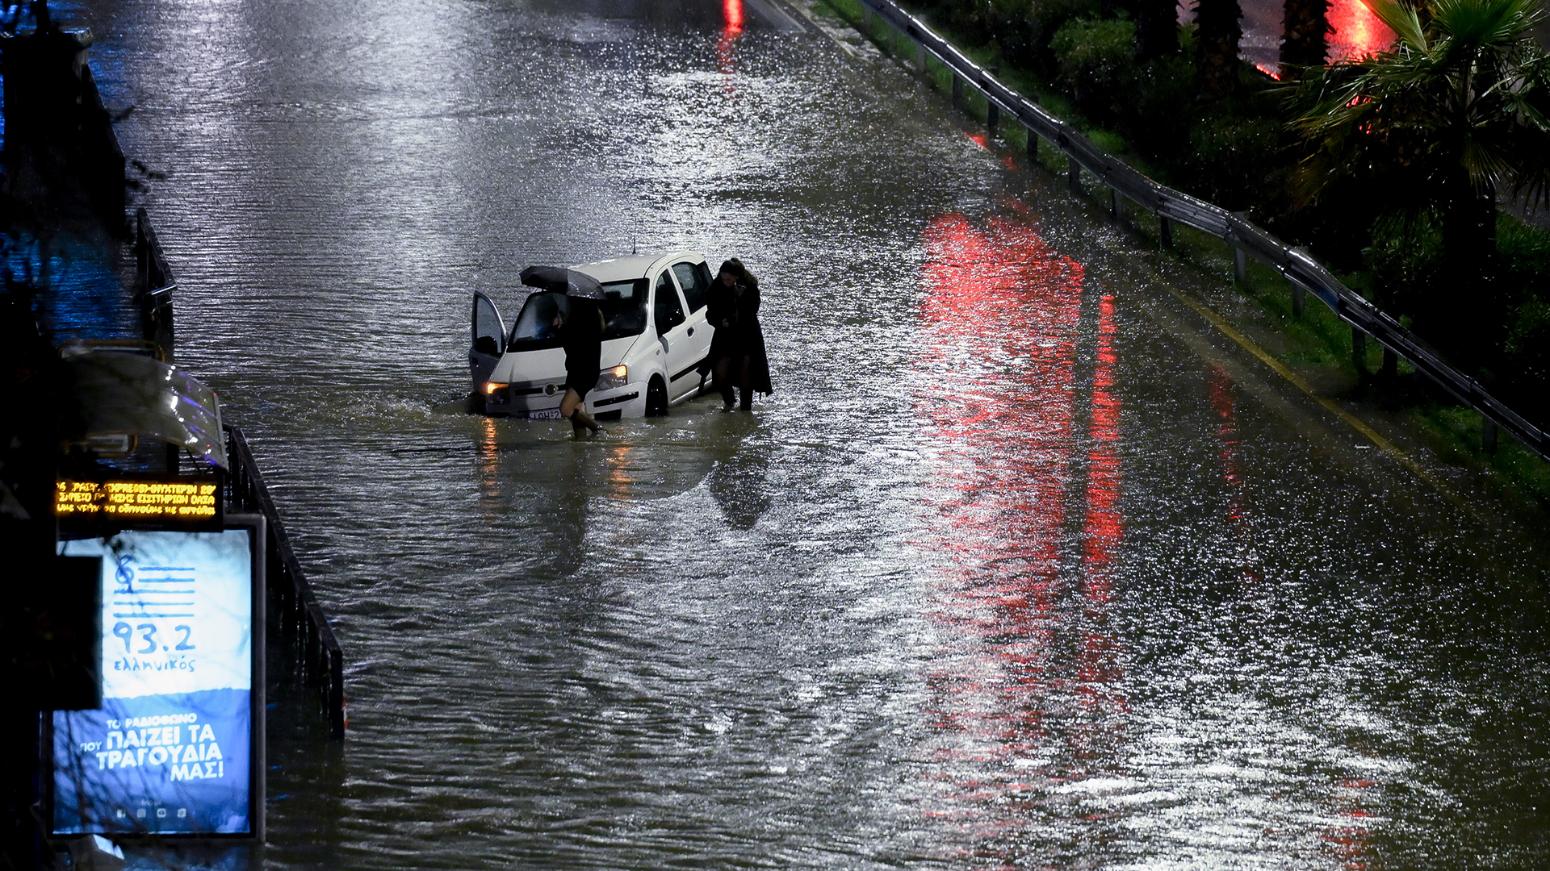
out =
column 535, row 475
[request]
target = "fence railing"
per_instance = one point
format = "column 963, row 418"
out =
column 1304, row 273
column 295, row 617
column 154, row 285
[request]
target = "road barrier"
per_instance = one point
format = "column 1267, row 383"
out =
column 1305, row 274
column 295, row 617
column 154, row 285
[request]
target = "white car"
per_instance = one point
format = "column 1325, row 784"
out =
column 654, row 338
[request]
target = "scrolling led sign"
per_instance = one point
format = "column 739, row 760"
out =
column 180, row 502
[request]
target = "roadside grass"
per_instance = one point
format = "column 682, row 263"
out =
column 1316, row 339
column 1456, row 433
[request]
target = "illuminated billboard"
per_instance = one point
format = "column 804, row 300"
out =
column 177, row 746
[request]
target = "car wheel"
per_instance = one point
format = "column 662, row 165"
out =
column 656, row 398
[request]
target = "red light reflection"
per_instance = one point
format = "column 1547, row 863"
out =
column 983, row 141
column 732, row 16
column 1219, row 385
column 1357, row 32
column 1351, row 841
column 1026, row 668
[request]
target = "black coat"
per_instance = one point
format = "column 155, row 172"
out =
column 734, row 312
column 582, row 337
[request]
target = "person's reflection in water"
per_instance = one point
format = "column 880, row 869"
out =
column 536, row 491
column 563, row 515
column 740, row 482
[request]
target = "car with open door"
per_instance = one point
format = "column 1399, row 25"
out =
column 655, row 337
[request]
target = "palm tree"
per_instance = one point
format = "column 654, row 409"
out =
column 1304, row 35
column 1457, row 109
column 1217, row 33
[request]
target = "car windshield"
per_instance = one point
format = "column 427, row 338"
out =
column 624, row 314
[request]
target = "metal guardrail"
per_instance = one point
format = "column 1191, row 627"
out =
column 154, row 285
column 1305, row 274
column 294, row 612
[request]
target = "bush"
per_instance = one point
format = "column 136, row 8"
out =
column 1522, row 257
column 1047, row 18
column 1405, row 258
column 1094, row 60
column 1015, row 29
column 1526, row 363
column 1231, row 159
column 1163, row 103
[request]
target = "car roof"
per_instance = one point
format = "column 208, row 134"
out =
column 634, row 266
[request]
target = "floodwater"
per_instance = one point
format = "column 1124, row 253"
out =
column 1023, row 565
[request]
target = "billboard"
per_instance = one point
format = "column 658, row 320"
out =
column 177, row 746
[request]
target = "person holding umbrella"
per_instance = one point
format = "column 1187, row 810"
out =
column 580, row 326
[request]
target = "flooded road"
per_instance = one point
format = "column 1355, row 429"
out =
column 1022, row 564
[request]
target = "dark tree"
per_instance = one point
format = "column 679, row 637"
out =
column 1304, row 35
column 1157, row 28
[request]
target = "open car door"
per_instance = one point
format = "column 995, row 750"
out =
column 488, row 340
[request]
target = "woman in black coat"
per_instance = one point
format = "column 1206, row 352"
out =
column 737, row 349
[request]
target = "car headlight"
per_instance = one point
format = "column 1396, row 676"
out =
column 614, row 376
column 495, row 391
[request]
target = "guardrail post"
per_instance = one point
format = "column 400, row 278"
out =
column 1113, row 204
column 1359, row 351
column 957, row 91
column 920, row 57
column 1073, row 175
column 1298, row 299
column 1390, row 364
column 1240, row 264
column 1165, row 231
column 1033, row 146
column 992, row 116
column 1488, row 434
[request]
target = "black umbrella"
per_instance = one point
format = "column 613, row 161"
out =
column 562, row 280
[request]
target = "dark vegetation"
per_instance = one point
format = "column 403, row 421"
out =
column 1389, row 169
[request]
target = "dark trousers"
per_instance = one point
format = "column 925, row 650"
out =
column 740, row 368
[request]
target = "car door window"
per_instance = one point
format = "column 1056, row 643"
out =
column 668, row 311
column 488, row 330
column 695, row 286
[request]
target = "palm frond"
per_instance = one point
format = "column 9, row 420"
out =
column 1402, row 19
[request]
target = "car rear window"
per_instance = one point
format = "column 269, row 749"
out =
column 624, row 314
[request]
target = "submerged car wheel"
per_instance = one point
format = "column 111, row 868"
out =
column 656, row 398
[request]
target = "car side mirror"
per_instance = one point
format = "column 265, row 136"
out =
column 486, row 345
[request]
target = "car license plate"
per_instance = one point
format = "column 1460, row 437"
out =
column 544, row 414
